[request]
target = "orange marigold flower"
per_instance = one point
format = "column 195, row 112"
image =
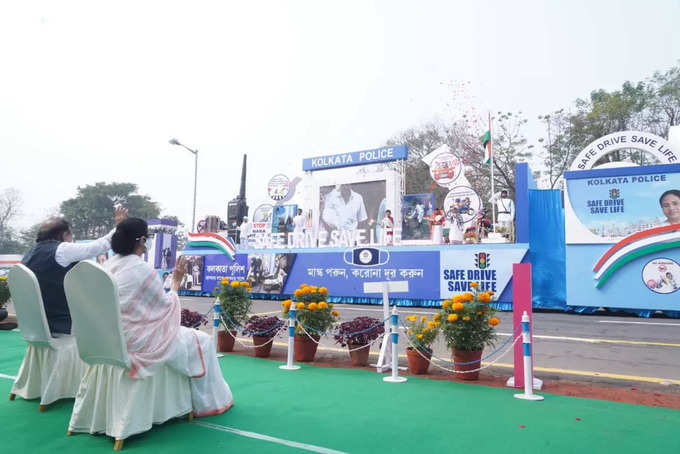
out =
column 458, row 307
column 303, row 285
column 323, row 290
column 457, row 299
column 323, row 305
column 474, row 284
column 446, row 303
column 452, row 317
column 466, row 318
column 430, row 325
column 490, row 292
column 335, row 313
column 467, row 296
column 493, row 321
column 484, row 297
column 423, row 319
column 300, row 305
column 437, row 316
column 298, row 293
column 312, row 306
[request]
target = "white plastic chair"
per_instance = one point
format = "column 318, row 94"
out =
column 51, row 368
column 108, row 400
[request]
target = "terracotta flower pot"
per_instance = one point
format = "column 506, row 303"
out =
column 462, row 356
column 263, row 347
column 358, row 354
column 225, row 340
column 305, row 348
column 416, row 363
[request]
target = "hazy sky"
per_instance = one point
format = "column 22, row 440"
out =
column 92, row 91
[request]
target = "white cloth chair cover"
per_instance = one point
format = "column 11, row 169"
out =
column 108, row 400
column 51, row 368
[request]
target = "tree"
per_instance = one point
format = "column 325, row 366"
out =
column 10, row 204
column 463, row 138
column 560, row 146
column 421, row 142
column 91, row 211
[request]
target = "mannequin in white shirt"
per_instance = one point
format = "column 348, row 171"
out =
column 245, row 229
column 505, row 209
column 299, row 228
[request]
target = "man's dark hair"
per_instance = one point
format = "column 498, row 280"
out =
column 53, row 229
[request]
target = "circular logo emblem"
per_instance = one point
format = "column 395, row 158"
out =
column 365, row 256
column 464, row 201
column 445, row 168
column 661, row 275
column 278, row 187
column 263, row 213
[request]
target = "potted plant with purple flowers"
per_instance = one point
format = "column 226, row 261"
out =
column 191, row 319
column 263, row 329
column 357, row 334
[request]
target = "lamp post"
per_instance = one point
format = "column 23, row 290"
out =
column 174, row 141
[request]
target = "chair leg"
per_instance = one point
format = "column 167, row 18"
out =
column 12, row 396
column 118, row 445
column 42, row 408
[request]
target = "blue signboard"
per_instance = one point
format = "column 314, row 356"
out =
column 356, row 158
column 217, row 266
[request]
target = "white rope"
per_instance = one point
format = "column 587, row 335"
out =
column 309, row 335
column 489, row 364
column 366, row 345
column 237, row 340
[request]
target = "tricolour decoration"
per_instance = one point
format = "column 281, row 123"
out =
column 213, row 240
column 648, row 242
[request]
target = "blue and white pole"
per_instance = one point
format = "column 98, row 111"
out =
column 217, row 308
column 528, row 379
column 395, row 378
column 291, row 340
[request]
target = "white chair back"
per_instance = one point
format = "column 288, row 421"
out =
column 92, row 297
column 28, row 304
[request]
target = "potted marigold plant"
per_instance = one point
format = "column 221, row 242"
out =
column 315, row 316
column 234, row 297
column 422, row 333
column 357, row 334
column 468, row 325
column 263, row 329
column 4, row 297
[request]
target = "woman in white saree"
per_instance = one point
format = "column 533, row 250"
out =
column 151, row 323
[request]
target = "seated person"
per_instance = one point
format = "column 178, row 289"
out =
column 151, row 322
column 53, row 255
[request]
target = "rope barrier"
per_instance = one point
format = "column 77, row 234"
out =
column 466, row 371
column 489, row 355
column 258, row 333
column 238, row 341
column 336, row 335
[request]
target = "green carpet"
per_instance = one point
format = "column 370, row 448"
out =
column 354, row 411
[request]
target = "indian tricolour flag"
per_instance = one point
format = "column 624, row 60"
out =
column 486, row 144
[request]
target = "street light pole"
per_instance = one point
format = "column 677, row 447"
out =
column 195, row 153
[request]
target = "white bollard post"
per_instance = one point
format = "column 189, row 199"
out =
column 291, row 340
column 217, row 308
column 528, row 379
column 395, row 378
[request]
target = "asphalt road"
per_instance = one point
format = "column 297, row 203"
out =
column 586, row 348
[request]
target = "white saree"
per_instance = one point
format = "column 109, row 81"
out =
column 151, row 326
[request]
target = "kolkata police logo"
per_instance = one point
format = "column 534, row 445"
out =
column 482, row 260
column 278, row 187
